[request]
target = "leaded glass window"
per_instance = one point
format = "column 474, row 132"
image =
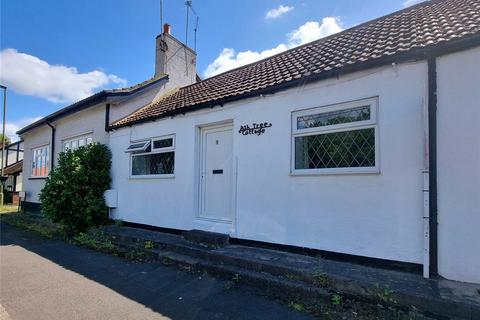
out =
column 153, row 163
column 153, row 157
column 336, row 139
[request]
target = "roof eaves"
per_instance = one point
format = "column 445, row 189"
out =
column 415, row 54
column 77, row 106
column 92, row 100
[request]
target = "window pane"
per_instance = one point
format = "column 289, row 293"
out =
column 333, row 117
column 81, row 142
column 89, row 140
column 140, row 145
column 348, row 149
column 163, row 143
column 155, row 163
column 66, row 146
column 74, row 144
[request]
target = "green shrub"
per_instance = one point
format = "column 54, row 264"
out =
column 73, row 193
column 8, row 195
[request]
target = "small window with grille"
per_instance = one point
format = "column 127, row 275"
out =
column 153, row 158
column 339, row 138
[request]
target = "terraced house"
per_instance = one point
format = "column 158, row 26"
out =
column 364, row 143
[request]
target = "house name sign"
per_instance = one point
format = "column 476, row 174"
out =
column 256, row 128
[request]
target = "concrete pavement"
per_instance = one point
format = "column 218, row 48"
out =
column 49, row 279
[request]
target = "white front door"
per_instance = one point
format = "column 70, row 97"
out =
column 216, row 176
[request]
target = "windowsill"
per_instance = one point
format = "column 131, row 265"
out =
column 37, row 178
column 152, row 176
column 339, row 171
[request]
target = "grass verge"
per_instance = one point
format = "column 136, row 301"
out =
column 33, row 222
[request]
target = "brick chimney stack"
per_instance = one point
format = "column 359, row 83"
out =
column 167, row 29
column 175, row 59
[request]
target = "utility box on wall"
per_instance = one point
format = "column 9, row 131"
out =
column 111, row 198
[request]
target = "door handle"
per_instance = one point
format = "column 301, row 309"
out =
column 217, row 171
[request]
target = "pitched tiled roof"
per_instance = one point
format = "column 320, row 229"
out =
column 410, row 31
column 94, row 99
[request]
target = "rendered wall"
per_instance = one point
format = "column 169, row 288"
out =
column 127, row 107
column 375, row 215
column 458, row 125
column 89, row 121
column 33, row 139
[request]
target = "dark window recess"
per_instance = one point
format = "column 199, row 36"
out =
column 164, row 143
column 334, row 117
column 155, row 163
column 347, row 149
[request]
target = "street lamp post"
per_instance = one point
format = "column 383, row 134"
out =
column 3, row 140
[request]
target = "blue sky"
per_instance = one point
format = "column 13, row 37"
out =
column 55, row 52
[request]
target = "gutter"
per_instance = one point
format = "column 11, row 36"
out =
column 107, row 116
column 52, row 156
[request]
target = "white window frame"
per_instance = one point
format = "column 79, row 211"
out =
column 350, row 126
column 153, row 151
column 47, row 160
column 77, row 138
column 143, row 147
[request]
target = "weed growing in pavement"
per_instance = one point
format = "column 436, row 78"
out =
column 336, row 300
column 296, row 306
column 236, row 278
column 320, row 278
column 384, row 295
column 148, row 245
column 92, row 242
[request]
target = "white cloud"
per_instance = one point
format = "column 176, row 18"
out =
column 12, row 127
column 313, row 30
column 29, row 75
column 310, row 31
column 278, row 12
column 409, row 3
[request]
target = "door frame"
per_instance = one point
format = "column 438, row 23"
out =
column 200, row 182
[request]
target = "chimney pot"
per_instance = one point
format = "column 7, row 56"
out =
column 166, row 29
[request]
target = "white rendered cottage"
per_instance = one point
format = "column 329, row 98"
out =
column 363, row 143
column 359, row 143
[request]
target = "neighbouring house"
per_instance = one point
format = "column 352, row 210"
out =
column 87, row 120
column 12, row 170
column 363, row 143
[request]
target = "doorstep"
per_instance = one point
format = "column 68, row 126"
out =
column 288, row 276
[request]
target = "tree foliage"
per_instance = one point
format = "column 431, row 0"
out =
column 7, row 140
column 73, row 193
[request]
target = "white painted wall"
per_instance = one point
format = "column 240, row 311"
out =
column 34, row 138
column 459, row 165
column 90, row 120
column 375, row 215
column 179, row 62
column 127, row 107
column 18, row 186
